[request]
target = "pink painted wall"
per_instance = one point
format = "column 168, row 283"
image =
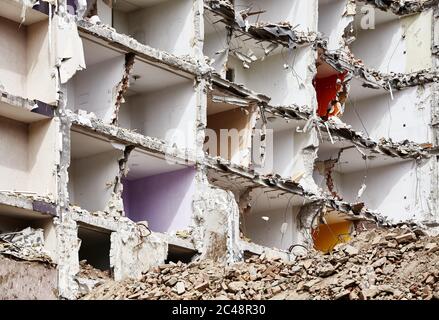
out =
column 164, row 200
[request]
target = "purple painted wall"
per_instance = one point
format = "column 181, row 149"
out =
column 164, row 200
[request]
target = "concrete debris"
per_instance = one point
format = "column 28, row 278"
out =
column 368, row 268
column 238, row 89
column 402, row 7
column 344, row 60
column 89, row 277
column 88, row 271
column 26, row 104
column 282, row 33
column 27, row 244
column 102, row 31
column 405, row 149
column 290, row 112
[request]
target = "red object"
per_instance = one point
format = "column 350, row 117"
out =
column 326, row 89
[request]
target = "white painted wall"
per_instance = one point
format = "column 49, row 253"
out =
column 214, row 42
column 385, row 49
column 13, row 62
column 14, row 146
column 168, row 114
column 407, row 116
column 41, row 81
column 382, row 48
column 120, row 22
column 332, row 23
column 399, row 191
column 167, row 26
column 29, row 153
column 43, row 156
column 50, row 240
column 419, row 34
column 94, row 89
column 297, row 12
column 91, row 179
column 285, row 156
column 268, row 233
column 104, row 12
column 25, row 66
column 284, row 77
column 240, row 72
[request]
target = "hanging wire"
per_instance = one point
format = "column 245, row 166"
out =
column 358, row 116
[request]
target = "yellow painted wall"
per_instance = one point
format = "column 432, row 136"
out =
column 327, row 236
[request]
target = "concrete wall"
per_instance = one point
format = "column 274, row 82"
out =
column 104, row 12
column 332, row 23
column 268, row 233
column 94, row 89
column 399, row 191
column 29, row 156
column 215, row 40
column 236, row 121
column 284, row 77
column 91, row 179
column 407, row 116
column 41, row 82
column 385, row 49
column 285, row 156
column 14, row 148
column 164, row 200
column 167, row 114
column 26, row 67
column 297, row 12
column 43, row 156
column 167, row 25
column 120, row 22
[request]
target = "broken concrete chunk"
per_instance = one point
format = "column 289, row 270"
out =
column 326, row 271
column 236, row 286
column 404, row 238
column 308, row 285
column 307, row 263
column 379, row 262
column 431, row 247
column 27, row 244
column 351, row 250
column 171, row 282
column 344, row 294
column 180, row 287
column 202, row 287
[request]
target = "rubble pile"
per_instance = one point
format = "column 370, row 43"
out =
column 89, row 277
column 88, row 271
column 27, row 244
column 398, row 263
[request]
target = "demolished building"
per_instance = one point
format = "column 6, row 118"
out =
column 116, row 122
